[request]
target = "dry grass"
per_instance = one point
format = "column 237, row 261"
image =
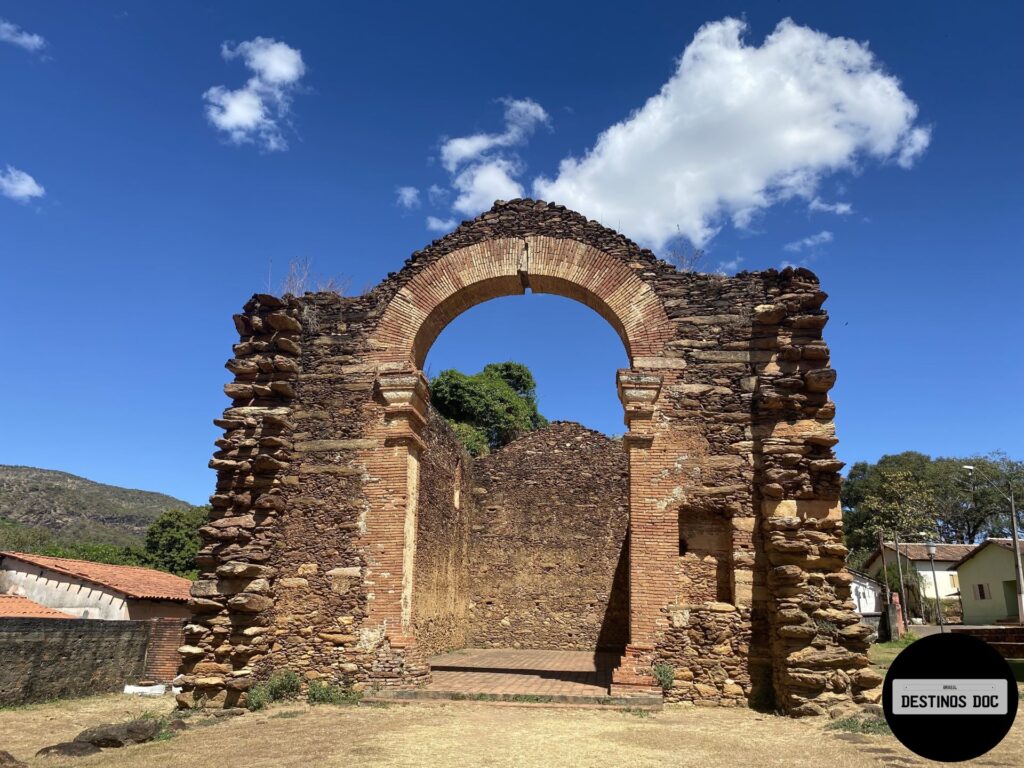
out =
column 467, row 734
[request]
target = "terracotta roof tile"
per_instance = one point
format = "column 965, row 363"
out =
column 130, row 580
column 948, row 552
column 20, row 607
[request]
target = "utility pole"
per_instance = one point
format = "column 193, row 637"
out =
column 903, row 589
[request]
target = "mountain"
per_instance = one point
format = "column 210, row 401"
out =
column 71, row 506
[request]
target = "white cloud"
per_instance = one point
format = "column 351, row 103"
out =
column 408, row 197
column 724, row 267
column 482, row 183
column 254, row 112
column 811, row 241
column 18, row 185
column 840, row 209
column 437, row 195
column 482, row 170
column 738, row 128
column 521, row 119
column 435, row 224
column 15, row 35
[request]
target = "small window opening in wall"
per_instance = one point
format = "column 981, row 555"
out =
column 457, row 496
column 683, row 546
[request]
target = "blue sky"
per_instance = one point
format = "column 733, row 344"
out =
column 159, row 165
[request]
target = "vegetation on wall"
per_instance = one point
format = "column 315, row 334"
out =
column 488, row 409
column 922, row 498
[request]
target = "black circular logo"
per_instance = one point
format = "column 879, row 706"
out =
column 950, row 697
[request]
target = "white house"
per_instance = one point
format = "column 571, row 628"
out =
column 94, row 590
column 915, row 556
column 866, row 593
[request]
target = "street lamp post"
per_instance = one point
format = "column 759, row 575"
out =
column 935, row 583
column 1016, row 537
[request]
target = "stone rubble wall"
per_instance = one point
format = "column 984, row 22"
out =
column 44, row 659
column 547, row 554
column 708, row 648
column 442, row 575
column 730, row 440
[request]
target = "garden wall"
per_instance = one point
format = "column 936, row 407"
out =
column 43, row 659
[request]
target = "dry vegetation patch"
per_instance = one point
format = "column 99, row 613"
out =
column 295, row 735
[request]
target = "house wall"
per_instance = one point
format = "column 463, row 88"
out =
column 992, row 566
column 143, row 610
column 866, row 594
column 945, row 573
column 65, row 593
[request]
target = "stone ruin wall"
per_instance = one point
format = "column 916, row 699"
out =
column 547, row 556
column 441, row 591
column 731, row 420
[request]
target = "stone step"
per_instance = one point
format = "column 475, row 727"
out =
column 647, row 703
column 995, row 634
column 1010, row 650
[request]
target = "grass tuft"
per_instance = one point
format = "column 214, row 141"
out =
column 665, row 674
column 870, row 725
column 326, row 693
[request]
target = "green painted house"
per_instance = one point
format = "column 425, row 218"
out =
column 988, row 583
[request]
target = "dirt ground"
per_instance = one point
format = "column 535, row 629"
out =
column 466, row 734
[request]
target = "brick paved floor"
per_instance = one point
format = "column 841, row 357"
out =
column 509, row 671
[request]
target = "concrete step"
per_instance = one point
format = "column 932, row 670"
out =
column 646, row 703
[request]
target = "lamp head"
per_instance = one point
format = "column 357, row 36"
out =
column 931, row 550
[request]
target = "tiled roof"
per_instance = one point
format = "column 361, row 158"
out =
column 948, row 552
column 19, row 607
column 130, row 580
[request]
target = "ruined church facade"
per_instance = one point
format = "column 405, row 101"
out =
column 733, row 558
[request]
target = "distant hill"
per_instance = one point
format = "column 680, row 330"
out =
column 71, row 506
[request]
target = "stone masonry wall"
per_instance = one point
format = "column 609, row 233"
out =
column 441, row 575
column 55, row 658
column 547, row 553
column 306, row 555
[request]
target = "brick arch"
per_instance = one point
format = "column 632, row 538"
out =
column 507, row 266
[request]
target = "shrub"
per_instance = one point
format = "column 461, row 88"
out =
column 284, row 685
column 665, row 674
column 326, row 693
column 257, row 697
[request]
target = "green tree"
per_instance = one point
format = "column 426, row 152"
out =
column 963, row 508
column 172, row 540
column 901, row 504
column 490, row 408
